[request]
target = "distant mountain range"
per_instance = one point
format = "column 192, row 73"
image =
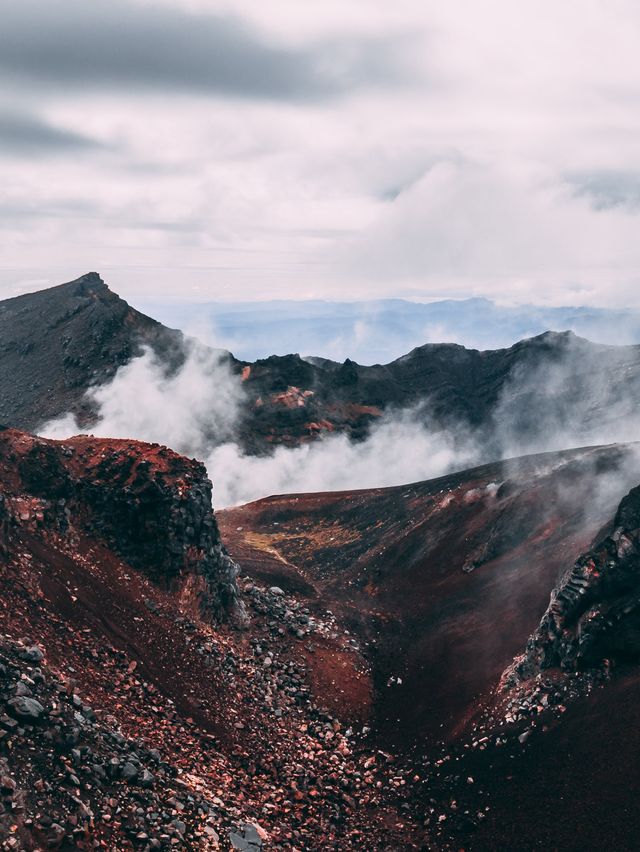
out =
column 552, row 391
column 378, row 331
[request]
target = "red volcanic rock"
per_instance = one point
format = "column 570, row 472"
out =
column 356, row 706
column 441, row 583
column 148, row 504
column 427, row 574
column 162, row 727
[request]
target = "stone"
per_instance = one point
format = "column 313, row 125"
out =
column 56, row 835
column 249, row 841
column 26, row 708
column 129, row 772
column 146, row 778
column 33, row 654
column 7, row 785
column 179, row 825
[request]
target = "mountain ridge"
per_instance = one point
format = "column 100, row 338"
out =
column 58, row 344
column 378, row 331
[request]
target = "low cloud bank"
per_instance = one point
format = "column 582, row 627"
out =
column 196, row 411
column 400, row 449
column 585, row 396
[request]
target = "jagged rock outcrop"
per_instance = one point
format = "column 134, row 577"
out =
column 146, row 503
column 594, row 614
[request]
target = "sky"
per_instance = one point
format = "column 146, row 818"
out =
column 198, row 150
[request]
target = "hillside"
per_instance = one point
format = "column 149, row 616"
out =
column 380, row 672
column 147, row 699
column 444, row 582
column 58, row 343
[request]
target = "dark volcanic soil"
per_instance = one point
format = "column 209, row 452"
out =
column 444, row 580
column 55, row 344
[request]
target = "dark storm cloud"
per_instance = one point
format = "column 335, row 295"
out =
column 27, row 135
column 118, row 44
column 608, row 189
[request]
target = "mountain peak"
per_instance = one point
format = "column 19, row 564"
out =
column 89, row 284
column 64, row 339
column 552, row 336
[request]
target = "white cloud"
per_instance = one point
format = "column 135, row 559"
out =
column 187, row 410
column 400, row 449
column 457, row 180
column 488, row 230
column 197, row 410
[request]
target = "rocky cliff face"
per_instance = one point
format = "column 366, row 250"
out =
column 144, row 502
column 594, row 613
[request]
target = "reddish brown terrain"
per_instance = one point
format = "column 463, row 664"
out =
column 443, row 583
column 148, row 701
column 385, row 671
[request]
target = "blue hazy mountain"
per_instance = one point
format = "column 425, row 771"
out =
column 378, row 331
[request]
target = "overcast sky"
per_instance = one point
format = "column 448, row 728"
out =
column 205, row 150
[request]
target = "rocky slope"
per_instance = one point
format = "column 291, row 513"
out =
column 57, row 343
column 559, row 728
column 594, row 614
column 444, row 582
column 360, row 685
column 148, row 698
column 426, row 573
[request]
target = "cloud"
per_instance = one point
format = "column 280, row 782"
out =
column 400, row 449
column 12, row 209
column 473, row 227
column 25, row 134
column 197, row 411
column 608, row 189
column 452, row 181
column 188, row 410
column 119, row 45
column 585, row 395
